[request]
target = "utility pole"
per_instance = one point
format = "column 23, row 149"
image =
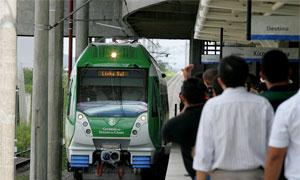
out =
column 82, row 27
column 55, row 95
column 39, row 126
column 8, row 44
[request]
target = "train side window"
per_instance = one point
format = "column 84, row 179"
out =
column 154, row 100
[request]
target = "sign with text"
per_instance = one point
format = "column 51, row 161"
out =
column 275, row 28
column 256, row 53
column 210, row 59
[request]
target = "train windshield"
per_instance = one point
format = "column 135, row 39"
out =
column 111, row 92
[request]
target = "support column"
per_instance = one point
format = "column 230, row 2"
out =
column 8, row 41
column 55, row 94
column 196, row 50
column 82, row 27
column 39, row 125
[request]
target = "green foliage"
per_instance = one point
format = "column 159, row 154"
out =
column 166, row 68
column 23, row 136
column 170, row 73
column 22, row 177
column 28, row 80
column 65, row 88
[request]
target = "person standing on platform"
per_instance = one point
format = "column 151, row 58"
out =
column 182, row 129
column 234, row 130
column 284, row 144
column 208, row 76
column 275, row 72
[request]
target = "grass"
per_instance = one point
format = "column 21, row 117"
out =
column 23, row 136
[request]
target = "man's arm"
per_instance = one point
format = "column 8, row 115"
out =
column 274, row 161
column 201, row 175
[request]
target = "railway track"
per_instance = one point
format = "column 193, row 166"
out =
column 22, row 160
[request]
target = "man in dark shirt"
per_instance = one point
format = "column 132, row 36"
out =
column 183, row 128
column 275, row 72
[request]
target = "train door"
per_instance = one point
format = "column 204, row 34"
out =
column 154, row 112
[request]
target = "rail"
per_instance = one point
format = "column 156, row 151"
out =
column 21, row 161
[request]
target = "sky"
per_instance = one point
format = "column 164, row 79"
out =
column 172, row 52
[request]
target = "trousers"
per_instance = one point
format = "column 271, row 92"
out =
column 256, row 174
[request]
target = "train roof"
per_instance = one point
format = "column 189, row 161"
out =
column 115, row 55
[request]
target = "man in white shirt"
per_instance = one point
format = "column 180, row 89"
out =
column 235, row 126
column 285, row 141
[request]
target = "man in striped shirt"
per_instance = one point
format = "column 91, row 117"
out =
column 233, row 134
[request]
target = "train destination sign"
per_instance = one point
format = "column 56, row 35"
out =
column 109, row 73
column 256, row 53
column 275, row 28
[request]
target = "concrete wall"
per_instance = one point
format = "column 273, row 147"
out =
column 102, row 11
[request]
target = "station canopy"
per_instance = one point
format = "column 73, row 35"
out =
column 232, row 16
column 168, row 19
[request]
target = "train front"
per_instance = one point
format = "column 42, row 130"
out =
column 111, row 123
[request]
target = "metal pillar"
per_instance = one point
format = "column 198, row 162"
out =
column 221, row 43
column 7, row 87
column 249, row 14
column 55, row 95
column 82, row 27
column 39, row 125
column 196, row 50
column 70, row 57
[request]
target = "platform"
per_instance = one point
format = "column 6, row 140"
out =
column 176, row 169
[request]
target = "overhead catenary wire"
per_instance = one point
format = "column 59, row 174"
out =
column 73, row 12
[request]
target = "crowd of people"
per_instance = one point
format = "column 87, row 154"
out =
column 231, row 128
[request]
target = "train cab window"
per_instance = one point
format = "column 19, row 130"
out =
column 112, row 92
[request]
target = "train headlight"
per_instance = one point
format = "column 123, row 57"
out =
column 88, row 131
column 134, row 132
column 138, row 125
column 85, row 124
column 113, row 55
column 143, row 118
column 80, row 116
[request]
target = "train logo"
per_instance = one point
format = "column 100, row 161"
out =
column 112, row 121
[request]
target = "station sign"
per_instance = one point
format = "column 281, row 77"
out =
column 256, row 53
column 210, row 59
column 275, row 28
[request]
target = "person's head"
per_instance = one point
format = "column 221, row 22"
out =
column 192, row 91
column 216, row 88
column 209, row 75
column 233, row 72
column 275, row 66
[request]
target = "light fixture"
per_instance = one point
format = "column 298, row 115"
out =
column 134, row 132
column 85, row 124
column 143, row 118
column 80, row 116
column 113, row 55
column 138, row 125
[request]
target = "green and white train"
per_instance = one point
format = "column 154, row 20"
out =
column 117, row 105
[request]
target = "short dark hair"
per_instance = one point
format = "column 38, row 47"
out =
column 275, row 66
column 233, row 71
column 209, row 75
column 193, row 91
